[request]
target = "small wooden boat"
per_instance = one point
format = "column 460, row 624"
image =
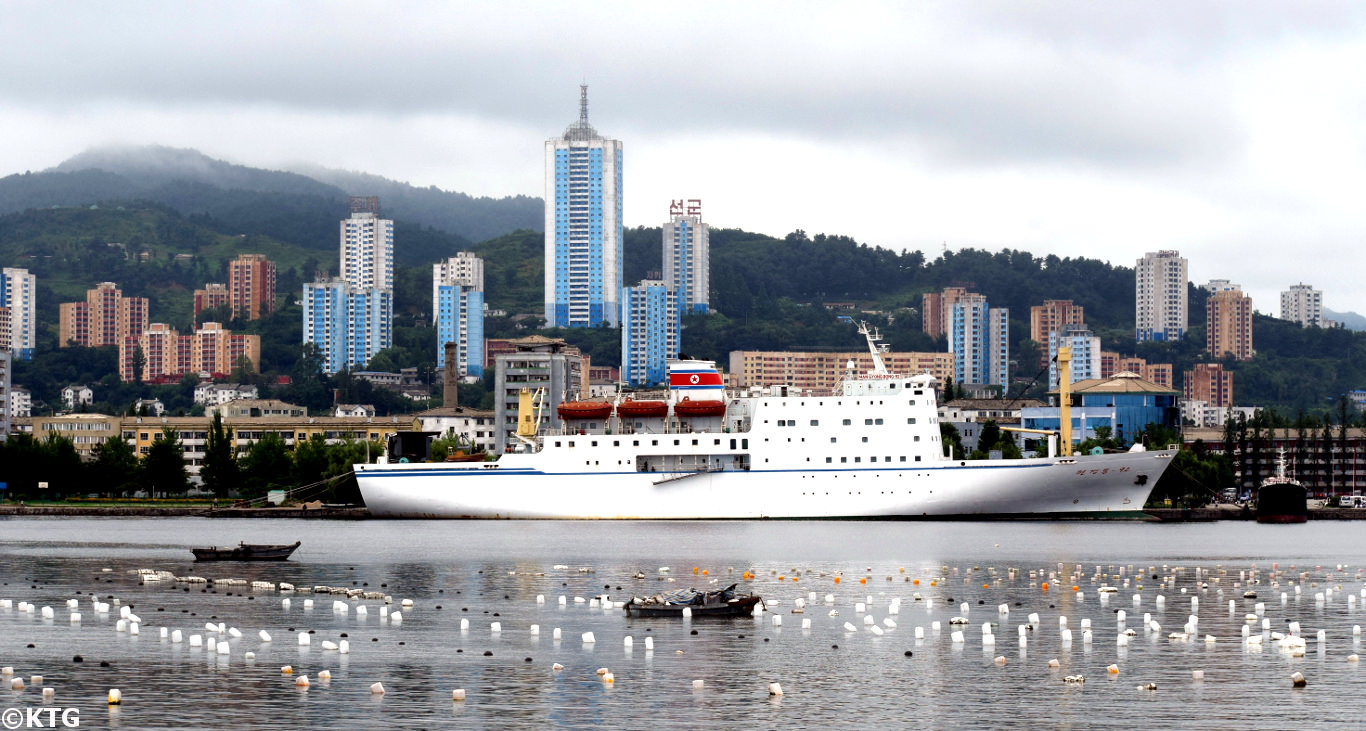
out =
column 631, row 408
column 689, row 408
column 723, row 603
column 245, row 552
column 584, row 410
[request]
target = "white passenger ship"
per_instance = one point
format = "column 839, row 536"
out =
column 872, row 450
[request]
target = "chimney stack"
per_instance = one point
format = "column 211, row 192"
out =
column 450, row 379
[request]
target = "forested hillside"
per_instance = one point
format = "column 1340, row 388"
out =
column 768, row 292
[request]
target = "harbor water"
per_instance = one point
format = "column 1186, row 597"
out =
column 494, row 572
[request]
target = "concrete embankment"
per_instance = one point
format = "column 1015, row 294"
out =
column 132, row 511
column 1204, row 515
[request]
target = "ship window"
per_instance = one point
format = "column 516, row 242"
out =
column 595, row 442
column 827, row 460
column 918, row 392
column 865, row 440
column 654, row 442
column 616, row 443
column 858, row 459
column 911, row 420
column 716, row 442
column 893, row 386
column 557, row 443
column 913, row 400
column 867, row 422
column 872, row 459
column 815, row 422
column 887, row 459
column 635, row 442
column 903, row 458
column 917, row 458
column 694, row 442
column 832, row 440
column 846, row 422
column 675, row 442
column 878, row 422
column 843, row 460
column 732, row 444
column 744, row 444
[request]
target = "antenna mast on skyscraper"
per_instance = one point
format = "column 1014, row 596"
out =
column 583, row 103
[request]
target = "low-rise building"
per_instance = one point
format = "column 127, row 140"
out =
column 473, row 426
column 76, row 396
column 213, row 394
column 1327, row 467
column 821, row 373
column 20, row 402
column 253, row 408
column 1125, row 404
column 86, row 431
column 153, row 406
column 354, row 410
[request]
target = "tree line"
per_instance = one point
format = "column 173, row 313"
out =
column 51, row 468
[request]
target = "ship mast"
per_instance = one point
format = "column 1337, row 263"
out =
column 874, row 348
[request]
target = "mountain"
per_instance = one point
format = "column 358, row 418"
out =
column 1349, row 320
column 289, row 206
column 477, row 219
column 155, row 166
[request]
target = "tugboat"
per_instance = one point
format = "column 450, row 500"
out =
column 1281, row 499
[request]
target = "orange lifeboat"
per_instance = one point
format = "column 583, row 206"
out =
column 633, row 409
column 689, row 408
column 584, row 410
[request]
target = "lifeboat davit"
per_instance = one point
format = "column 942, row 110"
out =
column 584, row 410
column 632, row 408
column 710, row 407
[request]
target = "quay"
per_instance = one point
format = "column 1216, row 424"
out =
column 138, row 511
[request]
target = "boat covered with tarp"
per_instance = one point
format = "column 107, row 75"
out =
column 720, row 603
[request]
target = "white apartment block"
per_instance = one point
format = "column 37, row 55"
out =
column 17, row 297
column 367, row 250
column 1160, row 297
column 1302, row 304
column 213, row 394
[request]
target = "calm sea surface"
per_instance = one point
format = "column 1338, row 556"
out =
column 489, row 572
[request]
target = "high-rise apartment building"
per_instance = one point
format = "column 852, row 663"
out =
column 687, row 256
column 169, row 356
column 211, row 296
column 251, row 280
column 1302, row 304
column 350, row 318
column 106, row 317
column 583, row 226
column 1209, row 382
column 17, row 297
column 935, row 310
column 979, row 338
column 1221, row 285
column 6, row 404
column 464, row 269
column 1160, row 296
column 649, row 331
column 367, row 246
column 458, row 306
column 1086, row 360
column 1228, row 324
column 1054, row 315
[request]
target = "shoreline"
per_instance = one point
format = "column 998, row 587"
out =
column 137, row 511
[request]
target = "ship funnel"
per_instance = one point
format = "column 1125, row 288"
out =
column 694, row 378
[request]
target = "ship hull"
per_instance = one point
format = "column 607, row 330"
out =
column 517, row 487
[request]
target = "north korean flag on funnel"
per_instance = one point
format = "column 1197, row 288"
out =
column 694, row 380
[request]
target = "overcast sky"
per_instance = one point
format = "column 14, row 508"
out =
column 1231, row 131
